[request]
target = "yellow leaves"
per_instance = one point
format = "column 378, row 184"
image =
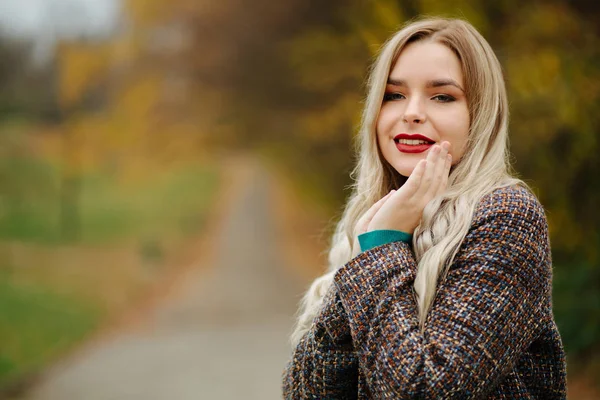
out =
column 534, row 73
column 81, row 67
column 340, row 117
column 323, row 58
column 145, row 117
column 146, row 12
column 549, row 90
column 388, row 14
column 550, row 21
column 125, row 50
column 563, row 225
column 386, row 18
column 471, row 10
column 378, row 21
column 137, row 98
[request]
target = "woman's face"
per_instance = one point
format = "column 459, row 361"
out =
column 424, row 104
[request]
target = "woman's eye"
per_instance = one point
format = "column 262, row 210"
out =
column 392, row 96
column 444, row 98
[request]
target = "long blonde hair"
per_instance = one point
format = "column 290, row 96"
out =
column 484, row 167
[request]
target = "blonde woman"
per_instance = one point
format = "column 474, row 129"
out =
column 440, row 273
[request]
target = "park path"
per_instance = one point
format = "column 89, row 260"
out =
column 223, row 334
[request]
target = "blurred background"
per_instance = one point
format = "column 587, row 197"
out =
column 170, row 172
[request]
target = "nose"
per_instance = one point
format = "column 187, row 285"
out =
column 414, row 112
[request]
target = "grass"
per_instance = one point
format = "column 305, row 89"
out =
column 36, row 325
column 45, row 305
column 109, row 211
column 176, row 201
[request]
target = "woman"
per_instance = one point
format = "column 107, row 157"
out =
column 440, row 272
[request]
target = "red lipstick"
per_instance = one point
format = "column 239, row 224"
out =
column 415, row 136
column 413, row 148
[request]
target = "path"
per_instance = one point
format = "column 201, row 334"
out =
column 222, row 336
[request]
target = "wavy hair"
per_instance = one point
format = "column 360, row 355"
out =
column 484, row 167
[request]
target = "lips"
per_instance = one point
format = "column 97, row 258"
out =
column 409, row 148
column 413, row 148
column 415, row 136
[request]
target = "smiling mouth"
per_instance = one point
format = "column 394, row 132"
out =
column 412, row 145
column 413, row 142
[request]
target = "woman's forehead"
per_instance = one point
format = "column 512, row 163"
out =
column 426, row 61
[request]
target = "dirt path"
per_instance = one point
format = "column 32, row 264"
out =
column 221, row 335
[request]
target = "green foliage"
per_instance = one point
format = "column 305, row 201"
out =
column 576, row 305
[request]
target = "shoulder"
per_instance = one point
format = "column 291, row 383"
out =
column 515, row 203
column 509, row 225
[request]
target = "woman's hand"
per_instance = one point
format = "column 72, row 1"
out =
column 402, row 210
column 364, row 221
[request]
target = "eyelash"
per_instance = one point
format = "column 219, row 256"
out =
column 447, row 97
column 442, row 98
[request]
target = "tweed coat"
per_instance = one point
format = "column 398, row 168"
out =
column 490, row 333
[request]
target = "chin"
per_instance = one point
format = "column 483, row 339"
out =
column 404, row 169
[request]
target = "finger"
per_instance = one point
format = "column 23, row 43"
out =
column 439, row 170
column 414, row 180
column 444, row 184
column 368, row 216
column 382, row 201
column 426, row 181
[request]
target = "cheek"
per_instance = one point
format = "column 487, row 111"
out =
column 381, row 122
column 385, row 122
column 456, row 131
column 380, row 130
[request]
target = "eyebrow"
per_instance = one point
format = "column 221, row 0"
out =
column 429, row 84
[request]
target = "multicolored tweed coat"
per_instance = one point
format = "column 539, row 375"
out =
column 489, row 335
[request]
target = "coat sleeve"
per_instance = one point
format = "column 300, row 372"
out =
column 485, row 313
column 324, row 364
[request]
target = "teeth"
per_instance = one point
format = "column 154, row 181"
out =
column 412, row 141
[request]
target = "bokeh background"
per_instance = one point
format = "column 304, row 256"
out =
column 170, row 166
